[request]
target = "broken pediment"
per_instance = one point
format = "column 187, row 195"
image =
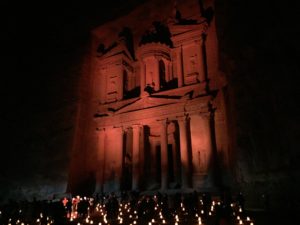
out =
column 177, row 29
column 124, row 45
column 116, row 50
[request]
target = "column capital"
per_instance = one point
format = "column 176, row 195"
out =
column 100, row 129
column 121, row 129
column 205, row 115
column 185, row 117
column 163, row 121
column 135, row 126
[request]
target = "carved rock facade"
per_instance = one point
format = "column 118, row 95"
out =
column 156, row 99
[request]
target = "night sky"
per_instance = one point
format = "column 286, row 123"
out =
column 42, row 46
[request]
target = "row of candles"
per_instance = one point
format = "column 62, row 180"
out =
column 126, row 215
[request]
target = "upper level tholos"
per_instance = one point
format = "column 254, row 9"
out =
column 169, row 56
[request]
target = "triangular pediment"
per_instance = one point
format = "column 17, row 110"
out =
column 117, row 50
column 177, row 29
column 148, row 102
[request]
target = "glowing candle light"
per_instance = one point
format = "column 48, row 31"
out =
column 241, row 222
column 149, row 223
column 251, row 223
column 163, row 221
column 202, row 211
column 134, row 222
column 248, row 218
column 199, row 220
column 238, row 217
column 209, row 213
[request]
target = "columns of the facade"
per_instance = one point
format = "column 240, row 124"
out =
column 136, row 167
column 167, row 69
column 175, row 155
column 164, row 154
column 100, row 161
column 142, row 76
column 153, row 162
column 170, row 71
column 201, row 61
column 156, row 74
column 210, row 148
column 118, row 154
column 179, row 66
column 184, row 152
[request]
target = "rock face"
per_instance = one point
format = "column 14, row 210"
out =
column 252, row 59
column 157, row 97
column 256, row 139
column 261, row 99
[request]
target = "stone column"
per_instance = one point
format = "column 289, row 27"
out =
column 167, row 70
column 184, row 152
column 101, row 161
column 142, row 78
column 179, row 66
column 153, row 162
column 211, row 155
column 118, row 155
column 164, row 154
column 156, row 75
column 201, row 61
column 136, row 157
column 177, row 165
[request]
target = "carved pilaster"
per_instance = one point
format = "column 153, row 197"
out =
column 184, row 152
column 164, row 154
